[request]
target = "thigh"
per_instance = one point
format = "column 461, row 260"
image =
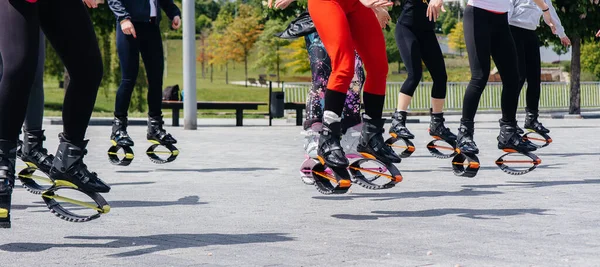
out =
column 409, row 48
column 69, row 29
column 532, row 57
column 333, row 28
column 367, row 36
column 504, row 54
column 520, row 44
column 432, row 55
column 129, row 54
column 478, row 41
column 151, row 49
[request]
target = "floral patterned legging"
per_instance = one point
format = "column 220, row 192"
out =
column 320, row 65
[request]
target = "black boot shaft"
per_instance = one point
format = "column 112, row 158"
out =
column 68, row 166
column 8, row 155
column 157, row 133
column 330, row 149
column 371, row 141
column 399, row 129
column 119, row 124
column 119, row 133
column 509, row 138
column 439, row 129
column 465, row 142
column 32, row 141
column 69, row 153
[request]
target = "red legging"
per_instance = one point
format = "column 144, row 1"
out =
column 345, row 26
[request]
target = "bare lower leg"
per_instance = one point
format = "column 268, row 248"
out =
column 403, row 101
column 437, row 105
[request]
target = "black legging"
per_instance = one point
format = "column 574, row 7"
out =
column 416, row 45
column 68, row 27
column 149, row 44
column 486, row 34
column 530, row 68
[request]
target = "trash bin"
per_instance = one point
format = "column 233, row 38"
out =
column 277, row 104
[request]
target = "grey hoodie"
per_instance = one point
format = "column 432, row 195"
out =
column 526, row 14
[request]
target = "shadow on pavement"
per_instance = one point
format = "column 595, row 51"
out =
column 248, row 169
column 466, row 213
column 418, row 194
column 566, row 155
column 157, row 243
column 536, row 184
column 184, row 201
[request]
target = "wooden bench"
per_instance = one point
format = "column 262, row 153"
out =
column 239, row 107
column 299, row 107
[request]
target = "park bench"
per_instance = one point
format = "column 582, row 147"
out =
column 252, row 81
column 262, row 80
column 299, row 107
column 239, row 107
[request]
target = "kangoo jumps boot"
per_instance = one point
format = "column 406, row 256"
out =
column 119, row 135
column 372, row 143
column 8, row 154
column 68, row 166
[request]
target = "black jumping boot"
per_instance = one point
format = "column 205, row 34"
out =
column 8, row 154
column 156, row 132
column 437, row 128
column 532, row 123
column 398, row 129
column 465, row 142
column 119, row 134
column 33, row 151
column 371, row 141
column 68, row 166
column 510, row 139
column 330, row 150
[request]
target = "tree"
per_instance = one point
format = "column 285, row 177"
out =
column 203, row 25
column 218, row 46
column 447, row 20
column 242, row 33
column 270, row 48
column 298, row 58
column 560, row 50
column 590, row 52
column 581, row 19
column 456, row 38
column 208, row 8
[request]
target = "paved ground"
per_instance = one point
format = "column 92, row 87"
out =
column 234, row 198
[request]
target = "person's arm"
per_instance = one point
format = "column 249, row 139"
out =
column 545, row 8
column 170, row 9
column 560, row 30
column 119, row 10
column 281, row 4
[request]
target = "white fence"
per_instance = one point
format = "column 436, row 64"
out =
column 553, row 95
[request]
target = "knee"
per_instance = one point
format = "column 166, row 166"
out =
column 378, row 72
column 479, row 81
column 410, row 84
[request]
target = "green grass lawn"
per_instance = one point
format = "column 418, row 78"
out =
column 218, row 90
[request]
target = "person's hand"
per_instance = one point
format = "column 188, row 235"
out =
column 434, row 8
column 176, row 23
column 377, row 3
column 90, row 3
column 382, row 16
column 565, row 41
column 598, row 33
column 127, row 27
column 281, row 4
